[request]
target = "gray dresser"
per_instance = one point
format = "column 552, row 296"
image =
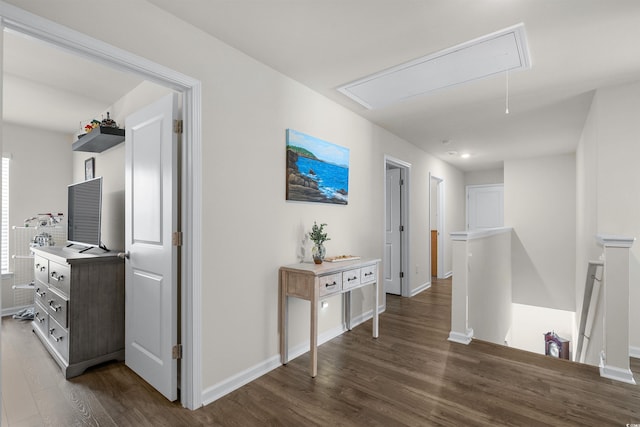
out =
column 79, row 306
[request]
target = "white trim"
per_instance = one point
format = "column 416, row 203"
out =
column 24, row 22
column 461, row 338
column 405, row 205
column 10, row 311
column 448, row 274
column 234, row 382
column 420, row 288
column 478, row 234
column 617, row 374
column 634, row 352
column 611, row 241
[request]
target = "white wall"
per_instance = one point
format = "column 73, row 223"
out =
column 608, row 186
column 530, row 323
column 249, row 227
column 493, row 176
column 40, row 171
column 539, row 200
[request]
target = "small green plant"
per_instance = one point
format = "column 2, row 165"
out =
column 317, row 235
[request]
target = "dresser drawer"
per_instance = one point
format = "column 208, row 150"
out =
column 369, row 274
column 40, row 293
column 59, row 276
column 41, row 269
column 330, row 284
column 351, row 278
column 41, row 318
column 58, row 306
column 58, row 338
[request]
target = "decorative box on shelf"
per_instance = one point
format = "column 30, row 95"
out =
column 99, row 139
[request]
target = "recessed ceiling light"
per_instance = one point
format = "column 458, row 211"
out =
column 465, row 155
column 495, row 53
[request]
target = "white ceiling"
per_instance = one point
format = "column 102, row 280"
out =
column 576, row 46
column 48, row 88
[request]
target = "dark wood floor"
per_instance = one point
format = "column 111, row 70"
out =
column 410, row 376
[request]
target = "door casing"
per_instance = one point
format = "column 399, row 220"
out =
column 405, row 175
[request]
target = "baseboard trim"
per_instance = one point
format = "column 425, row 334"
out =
column 617, row 374
column 234, row 382
column 420, row 288
column 10, row 311
column 634, row 352
column 448, row 274
column 461, row 338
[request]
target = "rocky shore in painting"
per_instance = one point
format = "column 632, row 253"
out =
column 304, row 188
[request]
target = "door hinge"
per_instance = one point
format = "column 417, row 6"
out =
column 176, row 351
column 176, row 238
column 402, row 228
column 401, row 182
column 177, row 126
column 402, row 274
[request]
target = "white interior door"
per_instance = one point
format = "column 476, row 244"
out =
column 485, row 206
column 392, row 252
column 151, row 175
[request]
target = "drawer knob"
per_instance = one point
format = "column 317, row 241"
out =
column 37, row 316
column 352, row 278
column 368, row 274
column 41, row 267
column 55, row 338
column 57, row 277
column 40, row 294
column 55, row 308
column 330, row 284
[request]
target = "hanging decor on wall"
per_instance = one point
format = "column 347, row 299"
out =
column 317, row 170
column 89, row 168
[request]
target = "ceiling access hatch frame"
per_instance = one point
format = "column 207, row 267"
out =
column 499, row 52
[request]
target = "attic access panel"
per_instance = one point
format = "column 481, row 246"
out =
column 502, row 51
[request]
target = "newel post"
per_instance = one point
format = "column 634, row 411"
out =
column 614, row 358
column 460, row 331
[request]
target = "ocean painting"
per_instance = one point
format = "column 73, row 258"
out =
column 317, row 170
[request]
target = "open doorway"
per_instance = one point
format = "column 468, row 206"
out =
column 436, row 225
column 83, row 45
column 396, row 228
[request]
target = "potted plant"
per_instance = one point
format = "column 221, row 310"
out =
column 318, row 236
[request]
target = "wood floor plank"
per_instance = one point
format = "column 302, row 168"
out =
column 410, row 376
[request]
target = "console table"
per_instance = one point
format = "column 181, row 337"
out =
column 314, row 282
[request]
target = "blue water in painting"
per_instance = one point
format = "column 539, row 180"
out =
column 330, row 178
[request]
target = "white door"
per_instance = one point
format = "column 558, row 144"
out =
column 485, row 206
column 151, row 215
column 392, row 252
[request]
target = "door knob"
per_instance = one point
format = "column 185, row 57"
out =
column 123, row 255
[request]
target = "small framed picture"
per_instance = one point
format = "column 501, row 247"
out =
column 89, row 168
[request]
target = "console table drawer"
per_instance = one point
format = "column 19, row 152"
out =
column 330, row 284
column 351, row 278
column 368, row 274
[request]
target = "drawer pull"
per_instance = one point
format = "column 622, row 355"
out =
column 55, row 308
column 55, row 276
column 38, row 318
column 40, row 267
column 328, row 285
column 40, row 294
column 352, row 278
column 56, row 339
column 368, row 274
